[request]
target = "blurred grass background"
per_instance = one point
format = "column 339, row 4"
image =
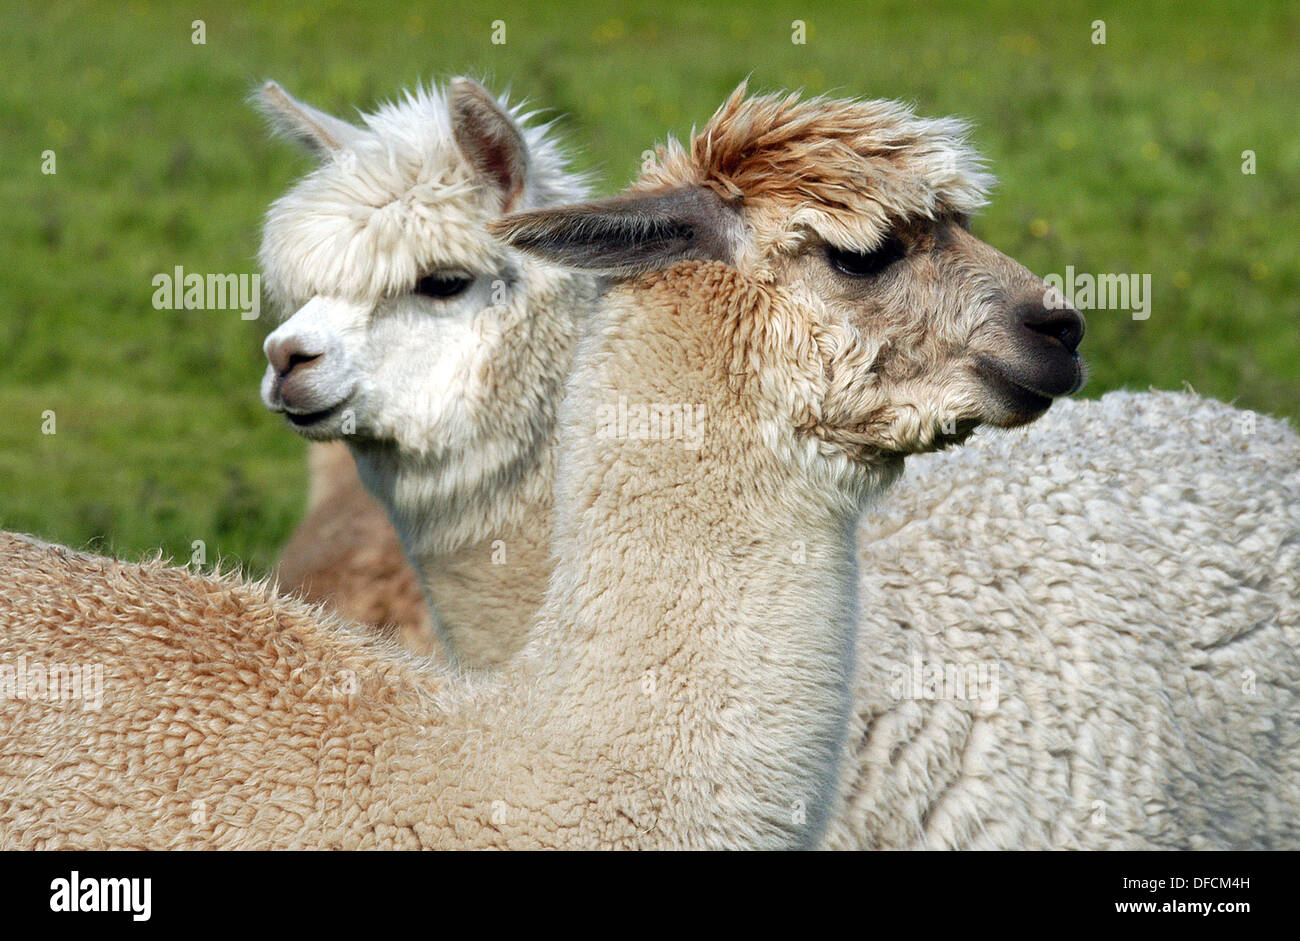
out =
column 1122, row 157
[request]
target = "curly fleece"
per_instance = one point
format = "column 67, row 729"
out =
column 1131, row 567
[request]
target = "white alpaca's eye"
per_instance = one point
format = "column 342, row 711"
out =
column 443, row 285
column 866, row 264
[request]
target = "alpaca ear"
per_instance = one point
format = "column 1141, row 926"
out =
column 489, row 139
column 627, row 234
column 322, row 134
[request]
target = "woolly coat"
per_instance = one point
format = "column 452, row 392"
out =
column 1122, row 574
column 1130, row 568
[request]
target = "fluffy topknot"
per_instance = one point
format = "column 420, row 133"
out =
column 847, row 169
column 396, row 199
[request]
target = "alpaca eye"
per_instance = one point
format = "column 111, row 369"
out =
column 866, row 264
column 442, row 285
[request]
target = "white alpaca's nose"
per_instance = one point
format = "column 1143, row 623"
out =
column 285, row 354
column 311, row 372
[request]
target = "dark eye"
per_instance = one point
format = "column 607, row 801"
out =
column 442, row 285
column 866, row 264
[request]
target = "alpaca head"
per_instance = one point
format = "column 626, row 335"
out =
column 892, row 329
column 410, row 332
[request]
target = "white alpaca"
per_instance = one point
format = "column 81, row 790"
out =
column 929, row 543
column 687, row 680
column 426, row 346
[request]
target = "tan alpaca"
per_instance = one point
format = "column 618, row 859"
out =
column 687, row 680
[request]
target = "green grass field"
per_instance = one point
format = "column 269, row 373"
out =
column 1123, row 157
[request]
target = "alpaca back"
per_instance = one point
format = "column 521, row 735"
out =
column 229, row 717
column 1136, row 589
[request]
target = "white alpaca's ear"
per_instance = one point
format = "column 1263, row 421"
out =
column 628, row 234
column 322, row 134
column 489, row 139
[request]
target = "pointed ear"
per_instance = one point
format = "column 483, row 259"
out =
column 322, row 134
column 489, row 139
column 630, row 233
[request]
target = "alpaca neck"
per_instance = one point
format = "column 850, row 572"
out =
column 741, row 647
column 474, row 519
column 698, row 627
column 480, row 547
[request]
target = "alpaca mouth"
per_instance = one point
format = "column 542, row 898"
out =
column 948, row 439
column 305, row 419
column 1020, row 398
column 302, row 407
column 322, row 424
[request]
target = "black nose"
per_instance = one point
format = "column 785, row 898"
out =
column 1065, row 325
